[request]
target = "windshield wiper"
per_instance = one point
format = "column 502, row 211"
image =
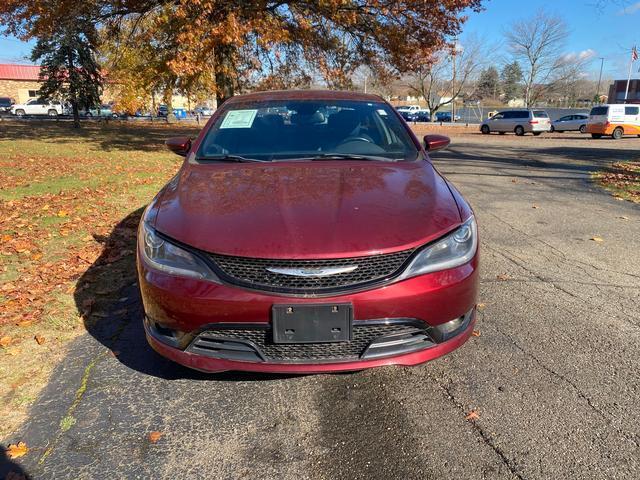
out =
column 230, row 158
column 346, row 156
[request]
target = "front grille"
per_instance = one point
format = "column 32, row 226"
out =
column 253, row 273
column 211, row 343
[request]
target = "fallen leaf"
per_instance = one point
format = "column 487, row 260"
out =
column 63, row 213
column 534, row 206
column 503, row 276
column 472, row 415
column 40, row 339
column 475, row 333
column 623, row 217
column 597, row 239
column 480, row 307
column 514, row 180
column 24, row 323
column 18, row 450
column 5, row 341
column 154, row 436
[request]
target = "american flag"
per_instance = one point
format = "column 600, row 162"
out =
column 634, row 54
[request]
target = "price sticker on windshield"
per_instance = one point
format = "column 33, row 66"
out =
column 239, row 119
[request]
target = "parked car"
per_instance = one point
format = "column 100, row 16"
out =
column 203, row 110
column 6, row 103
column 575, row 122
column 294, row 246
column 445, row 117
column 408, row 108
column 101, row 111
column 37, row 106
column 163, row 111
column 419, row 116
column 616, row 120
column 518, row 121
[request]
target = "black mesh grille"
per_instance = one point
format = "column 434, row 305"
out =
column 262, row 338
column 252, row 272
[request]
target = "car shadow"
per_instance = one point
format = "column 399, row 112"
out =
column 108, row 299
column 9, row 469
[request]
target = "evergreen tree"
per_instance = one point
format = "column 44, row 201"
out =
column 69, row 70
column 489, row 83
column 511, row 80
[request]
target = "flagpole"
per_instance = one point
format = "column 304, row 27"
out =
column 626, row 92
column 634, row 57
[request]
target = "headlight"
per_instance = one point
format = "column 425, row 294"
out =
column 454, row 250
column 169, row 258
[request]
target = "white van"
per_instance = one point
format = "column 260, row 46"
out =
column 615, row 119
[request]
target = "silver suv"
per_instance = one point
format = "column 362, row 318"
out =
column 518, row 122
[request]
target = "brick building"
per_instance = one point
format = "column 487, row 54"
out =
column 19, row 82
column 617, row 89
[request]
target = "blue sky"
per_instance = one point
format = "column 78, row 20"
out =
column 600, row 32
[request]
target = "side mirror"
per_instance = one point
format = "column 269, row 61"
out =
column 435, row 142
column 179, row 145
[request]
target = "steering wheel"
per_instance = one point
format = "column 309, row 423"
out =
column 356, row 139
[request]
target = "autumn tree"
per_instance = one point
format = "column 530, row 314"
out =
column 69, row 70
column 236, row 40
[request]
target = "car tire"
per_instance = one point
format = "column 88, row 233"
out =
column 52, row 113
column 618, row 133
column 485, row 129
column 519, row 131
column 596, row 135
column 20, row 113
column 552, row 129
column 583, row 129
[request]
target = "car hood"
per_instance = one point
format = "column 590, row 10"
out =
column 301, row 209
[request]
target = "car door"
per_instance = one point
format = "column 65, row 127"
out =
column 562, row 123
column 496, row 123
column 632, row 118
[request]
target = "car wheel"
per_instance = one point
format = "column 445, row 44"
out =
column 519, row 131
column 596, row 135
column 583, row 129
column 485, row 129
column 552, row 129
column 52, row 113
column 618, row 133
column 20, row 113
column 537, row 133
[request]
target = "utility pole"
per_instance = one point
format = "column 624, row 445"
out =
column 453, row 86
column 599, row 79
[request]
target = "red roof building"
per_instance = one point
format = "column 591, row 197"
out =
column 19, row 82
column 19, row 72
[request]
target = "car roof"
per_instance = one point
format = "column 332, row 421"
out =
column 305, row 95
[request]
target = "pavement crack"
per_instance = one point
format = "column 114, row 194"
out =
column 634, row 438
column 484, row 436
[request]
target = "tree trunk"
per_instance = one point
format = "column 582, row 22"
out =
column 76, row 113
column 224, row 69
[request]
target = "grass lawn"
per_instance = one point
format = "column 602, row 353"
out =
column 623, row 180
column 63, row 197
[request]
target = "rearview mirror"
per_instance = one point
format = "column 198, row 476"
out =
column 435, row 142
column 179, row 145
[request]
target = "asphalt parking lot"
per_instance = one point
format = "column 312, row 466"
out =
column 553, row 377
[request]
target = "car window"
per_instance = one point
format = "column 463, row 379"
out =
column 631, row 110
column 565, row 118
column 308, row 128
column 599, row 111
column 498, row 116
column 540, row 114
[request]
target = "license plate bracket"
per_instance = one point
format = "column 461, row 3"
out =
column 317, row 323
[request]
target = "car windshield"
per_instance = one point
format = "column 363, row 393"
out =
column 540, row 114
column 335, row 129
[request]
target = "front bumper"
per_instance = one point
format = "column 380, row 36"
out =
column 193, row 306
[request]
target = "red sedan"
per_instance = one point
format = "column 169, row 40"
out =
column 307, row 231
